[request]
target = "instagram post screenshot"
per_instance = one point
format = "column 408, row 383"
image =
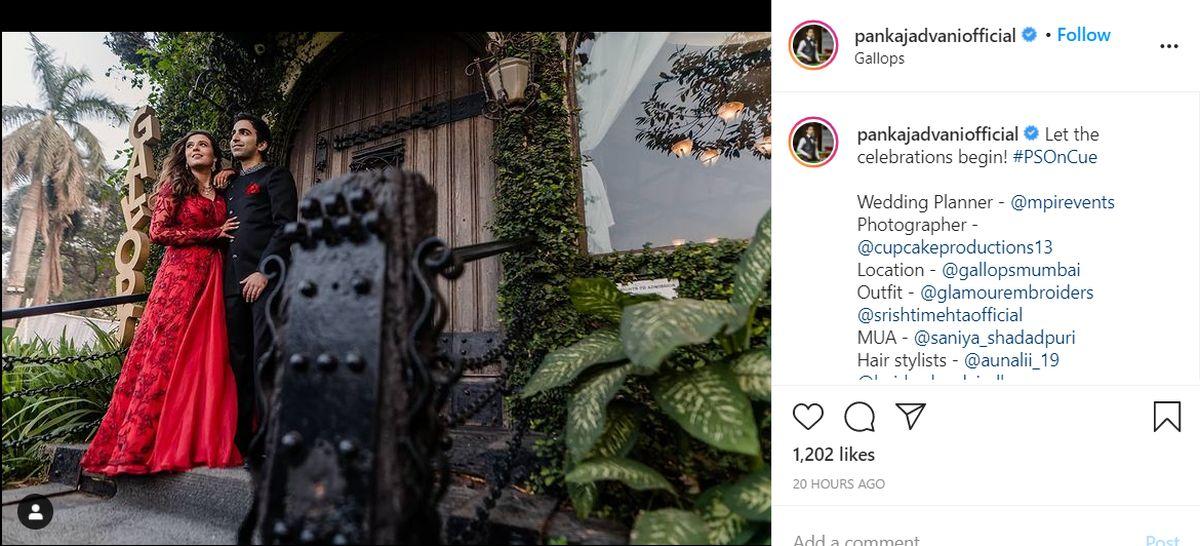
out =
column 506, row 286
column 987, row 277
column 522, row 274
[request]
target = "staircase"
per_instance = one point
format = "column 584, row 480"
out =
column 205, row 506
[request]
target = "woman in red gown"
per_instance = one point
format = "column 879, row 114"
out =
column 174, row 406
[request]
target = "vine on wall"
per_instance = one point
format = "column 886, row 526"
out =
column 537, row 188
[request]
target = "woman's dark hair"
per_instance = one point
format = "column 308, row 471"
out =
column 261, row 131
column 177, row 179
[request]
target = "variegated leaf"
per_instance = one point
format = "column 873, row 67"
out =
column 707, row 403
column 627, row 471
column 724, row 525
column 750, row 496
column 759, row 538
column 651, row 330
column 564, row 365
column 597, row 297
column 631, row 299
column 583, row 497
column 586, row 409
column 752, row 272
column 753, row 373
column 620, row 431
column 669, row 526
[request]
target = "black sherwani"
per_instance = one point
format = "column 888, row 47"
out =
column 263, row 202
column 808, row 49
column 809, row 147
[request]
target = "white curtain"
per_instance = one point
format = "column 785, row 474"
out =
column 617, row 62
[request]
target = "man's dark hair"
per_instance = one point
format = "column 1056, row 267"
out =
column 261, row 131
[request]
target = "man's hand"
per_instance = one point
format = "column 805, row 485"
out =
column 222, row 178
column 253, row 286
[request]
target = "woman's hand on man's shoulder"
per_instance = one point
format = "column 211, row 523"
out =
column 222, row 178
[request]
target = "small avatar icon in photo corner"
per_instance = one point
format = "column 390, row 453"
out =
column 814, row 141
column 814, row 45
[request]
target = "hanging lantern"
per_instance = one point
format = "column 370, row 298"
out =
column 763, row 145
column 708, row 157
column 730, row 110
column 504, row 77
column 508, row 79
column 682, row 147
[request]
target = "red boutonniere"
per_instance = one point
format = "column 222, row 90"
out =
column 253, row 189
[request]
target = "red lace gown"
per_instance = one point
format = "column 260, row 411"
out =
column 174, row 406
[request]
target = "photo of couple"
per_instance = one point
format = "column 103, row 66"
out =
column 370, row 287
column 185, row 396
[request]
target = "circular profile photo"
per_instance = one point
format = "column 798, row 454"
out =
column 814, row 45
column 814, row 141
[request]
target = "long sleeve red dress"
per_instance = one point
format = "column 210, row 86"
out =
column 174, row 406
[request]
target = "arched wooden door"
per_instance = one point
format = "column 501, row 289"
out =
column 405, row 100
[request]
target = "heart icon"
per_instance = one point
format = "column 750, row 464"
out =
column 808, row 415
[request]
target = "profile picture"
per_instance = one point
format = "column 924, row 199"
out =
column 814, row 141
column 814, row 45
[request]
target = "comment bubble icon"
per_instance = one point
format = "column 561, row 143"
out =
column 860, row 417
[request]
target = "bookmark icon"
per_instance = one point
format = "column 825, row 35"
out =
column 912, row 411
column 1168, row 414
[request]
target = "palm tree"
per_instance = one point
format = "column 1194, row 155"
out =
column 55, row 157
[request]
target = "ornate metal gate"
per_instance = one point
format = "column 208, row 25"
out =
column 354, row 445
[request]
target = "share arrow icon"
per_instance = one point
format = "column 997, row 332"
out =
column 912, row 411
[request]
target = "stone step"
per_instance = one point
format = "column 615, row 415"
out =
column 80, row 518
column 215, row 496
column 207, row 505
column 473, row 451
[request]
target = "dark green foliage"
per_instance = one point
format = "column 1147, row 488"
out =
column 715, row 359
column 537, row 189
column 52, row 413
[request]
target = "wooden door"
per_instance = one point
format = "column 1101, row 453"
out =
column 406, row 98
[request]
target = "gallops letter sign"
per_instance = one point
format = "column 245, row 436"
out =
column 134, row 247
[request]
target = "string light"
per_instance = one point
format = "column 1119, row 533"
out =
column 730, row 110
column 763, row 145
column 682, row 147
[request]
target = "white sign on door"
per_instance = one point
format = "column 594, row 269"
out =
column 663, row 287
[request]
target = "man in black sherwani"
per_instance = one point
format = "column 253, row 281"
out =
column 263, row 198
